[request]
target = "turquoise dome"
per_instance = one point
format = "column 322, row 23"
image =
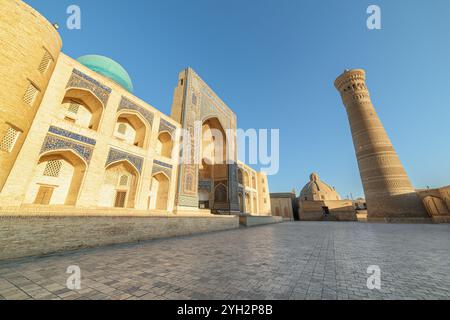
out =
column 108, row 68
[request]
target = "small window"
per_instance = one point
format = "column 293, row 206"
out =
column 181, row 82
column 194, row 99
column 73, row 107
column 30, row 94
column 53, row 168
column 9, row 139
column 122, row 129
column 123, row 181
column 45, row 62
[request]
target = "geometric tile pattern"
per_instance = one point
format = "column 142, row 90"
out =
column 166, row 126
column 83, row 81
column 54, row 143
column 118, row 155
column 159, row 166
column 126, row 104
column 71, row 135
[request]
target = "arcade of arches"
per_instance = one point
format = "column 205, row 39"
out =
column 94, row 145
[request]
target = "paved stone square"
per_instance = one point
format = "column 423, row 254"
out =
column 298, row 260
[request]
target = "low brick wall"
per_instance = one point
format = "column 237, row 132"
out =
column 333, row 216
column 22, row 236
column 250, row 221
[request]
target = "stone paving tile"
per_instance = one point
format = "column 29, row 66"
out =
column 297, row 261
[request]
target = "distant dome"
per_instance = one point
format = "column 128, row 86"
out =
column 108, row 68
column 316, row 190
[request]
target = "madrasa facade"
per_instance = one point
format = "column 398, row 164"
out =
column 74, row 137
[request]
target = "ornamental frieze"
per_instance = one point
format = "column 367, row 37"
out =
column 55, row 143
column 126, row 104
column 116, row 155
column 80, row 80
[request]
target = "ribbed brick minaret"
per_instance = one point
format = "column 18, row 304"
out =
column 388, row 190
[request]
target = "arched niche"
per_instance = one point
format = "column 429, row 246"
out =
column 159, row 192
column 82, row 108
column 132, row 129
column 119, row 186
column 57, row 179
column 164, row 144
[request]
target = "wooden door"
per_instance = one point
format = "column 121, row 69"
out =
column 44, row 195
column 120, row 199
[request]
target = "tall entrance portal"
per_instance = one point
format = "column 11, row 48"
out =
column 208, row 169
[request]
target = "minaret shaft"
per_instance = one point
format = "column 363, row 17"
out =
column 388, row 190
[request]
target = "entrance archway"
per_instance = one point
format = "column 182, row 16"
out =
column 119, row 186
column 248, row 208
column 255, row 204
column 203, row 198
column 241, row 202
column 57, row 179
column 214, row 168
column 159, row 193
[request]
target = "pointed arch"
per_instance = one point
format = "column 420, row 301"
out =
column 159, row 191
column 113, row 193
column 82, row 107
column 132, row 128
column 164, row 145
column 57, row 178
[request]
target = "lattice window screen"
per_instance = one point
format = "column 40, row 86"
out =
column 45, row 62
column 30, row 94
column 53, row 168
column 73, row 107
column 123, row 181
column 9, row 139
column 122, row 129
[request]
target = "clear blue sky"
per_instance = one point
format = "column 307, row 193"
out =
column 274, row 63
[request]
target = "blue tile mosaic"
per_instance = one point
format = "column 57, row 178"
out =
column 83, row 81
column 54, row 143
column 165, row 125
column 118, row 155
column 126, row 104
column 71, row 135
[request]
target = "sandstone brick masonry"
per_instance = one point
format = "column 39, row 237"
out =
column 22, row 236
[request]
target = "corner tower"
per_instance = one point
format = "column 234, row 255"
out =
column 388, row 190
column 30, row 47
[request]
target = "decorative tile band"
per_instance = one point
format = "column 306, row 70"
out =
column 53, row 143
column 71, row 135
column 126, row 104
column 165, row 125
column 159, row 166
column 118, row 155
column 81, row 80
column 92, row 80
column 162, row 164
